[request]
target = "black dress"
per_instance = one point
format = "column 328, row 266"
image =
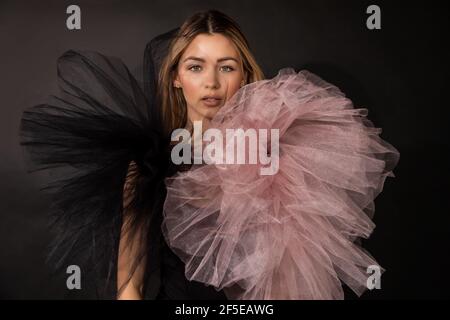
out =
column 87, row 136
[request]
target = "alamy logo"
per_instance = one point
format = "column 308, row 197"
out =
column 374, row 20
column 74, row 280
column 74, row 20
column 238, row 146
column 374, row 280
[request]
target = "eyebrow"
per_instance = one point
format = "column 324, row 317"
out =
column 203, row 60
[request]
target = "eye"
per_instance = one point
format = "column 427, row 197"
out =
column 227, row 68
column 195, row 68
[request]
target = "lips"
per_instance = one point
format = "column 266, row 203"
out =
column 211, row 101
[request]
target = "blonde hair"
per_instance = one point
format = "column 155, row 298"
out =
column 173, row 104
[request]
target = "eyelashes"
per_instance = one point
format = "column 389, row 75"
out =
column 197, row 68
column 229, row 68
column 194, row 68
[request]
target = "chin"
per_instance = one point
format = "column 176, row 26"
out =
column 204, row 112
column 210, row 112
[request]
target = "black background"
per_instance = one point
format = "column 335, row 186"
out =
column 399, row 73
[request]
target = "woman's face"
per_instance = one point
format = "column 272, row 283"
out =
column 209, row 73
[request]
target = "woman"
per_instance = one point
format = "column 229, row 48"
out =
column 227, row 231
column 289, row 234
column 208, row 54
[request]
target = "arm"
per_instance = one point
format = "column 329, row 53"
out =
column 128, row 249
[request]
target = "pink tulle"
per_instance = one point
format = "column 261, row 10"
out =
column 290, row 235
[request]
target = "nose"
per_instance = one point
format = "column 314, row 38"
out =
column 211, row 80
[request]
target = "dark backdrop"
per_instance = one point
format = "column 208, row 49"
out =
column 399, row 73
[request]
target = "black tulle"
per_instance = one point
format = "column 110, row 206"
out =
column 87, row 137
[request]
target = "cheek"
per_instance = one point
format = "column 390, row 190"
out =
column 191, row 87
column 233, row 85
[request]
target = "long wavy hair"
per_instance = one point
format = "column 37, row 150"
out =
column 173, row 103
